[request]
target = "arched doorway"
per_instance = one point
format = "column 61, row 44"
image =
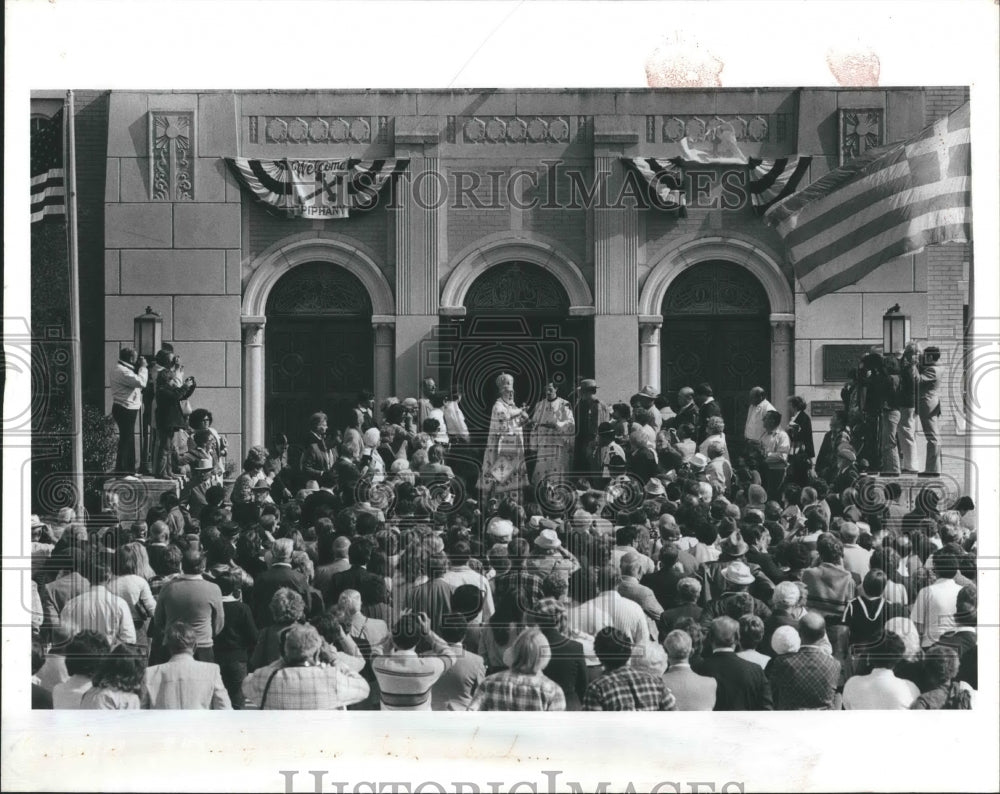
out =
column 516, row 319
column 319, row 350
column 716, row 329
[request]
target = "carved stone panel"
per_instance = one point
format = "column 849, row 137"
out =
column 514, row 129
column 860, row 130
column 517, row 286
column 171, row 164
column 319, row 288
column 306, row 130
column 747, row 128
column 716, row 288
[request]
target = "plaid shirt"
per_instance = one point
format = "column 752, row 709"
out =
column 628, row 689
column 510, row 691
column 804, row 680
column 313, row 687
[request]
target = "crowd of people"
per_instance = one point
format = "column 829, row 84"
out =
column 575, row 556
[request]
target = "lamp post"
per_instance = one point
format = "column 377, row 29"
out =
column 895, row 332
column 148, row 335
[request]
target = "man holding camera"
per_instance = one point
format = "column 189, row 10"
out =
column 171, row 389
column 929, row 407
column 128, row 379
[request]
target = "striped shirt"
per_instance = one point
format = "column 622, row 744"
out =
column 405, row 679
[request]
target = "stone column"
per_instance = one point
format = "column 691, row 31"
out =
column 385, row 356
column 419, row 249
column 649, row 350
column 253, row 381
column 782, row 347
column 616, row 288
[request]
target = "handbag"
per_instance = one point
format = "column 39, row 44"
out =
column 186, row 407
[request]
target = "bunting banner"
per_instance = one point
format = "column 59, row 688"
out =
column 774, row 180
column 663, row 181
column 316, row 189
column 891, row 201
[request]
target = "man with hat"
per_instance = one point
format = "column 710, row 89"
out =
column 846, row 473
column 550, row 556
column 589, row 414
column 645, row 398
column 733, row 548
column 201, row 480
column 607, row 457
column 736, row 579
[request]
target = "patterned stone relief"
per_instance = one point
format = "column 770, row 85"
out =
column 171, row 141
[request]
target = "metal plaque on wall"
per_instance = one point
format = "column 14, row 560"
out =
column 818, row 408
column 840, row 360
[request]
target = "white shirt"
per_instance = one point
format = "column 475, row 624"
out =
column 647, row 565
column 857, row 559
column 754, row 428
column 754, row 656
column 934, row 610
column 100, row 610
column 127, row 384
column 465, row 575
column 879, row 690
column 626, row 615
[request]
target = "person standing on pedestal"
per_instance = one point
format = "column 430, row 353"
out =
column 929, row 408
column 149, row 440
column 128, row 379
column 170, row 418
column 504, row 468
column 590, row 414
column 909, row 387
column 552, row 438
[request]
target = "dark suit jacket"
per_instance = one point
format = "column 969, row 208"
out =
column 316, row 458
column 688, row 415
column 168, row 403
column 742, row 684
column 270, row 582
column 354, row 578
column 804, row 436
column 664, row 586
column 704, row 412
column 567, row 667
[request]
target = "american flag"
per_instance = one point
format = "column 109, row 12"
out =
column 48, row 194
column 891, row 201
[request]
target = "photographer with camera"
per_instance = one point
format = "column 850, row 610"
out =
column 128, row 379
column 172, row 391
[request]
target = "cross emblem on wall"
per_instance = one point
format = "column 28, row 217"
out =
column 860, row 131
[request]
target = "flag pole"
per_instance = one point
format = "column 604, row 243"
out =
column 76, row 395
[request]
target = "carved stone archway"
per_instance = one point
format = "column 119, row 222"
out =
column 266, row 270
column 749, row 253
column 521, row 247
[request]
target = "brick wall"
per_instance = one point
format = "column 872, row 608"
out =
column 941, row 101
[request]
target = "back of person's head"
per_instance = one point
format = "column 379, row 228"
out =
column 406, row 632
column 830, row 548
column 786, row 595
column 946, row 564
column 159, row 532
column 630, row 564
column 287, row 606
column 453, row 628
column 669, row 554
column 678, row 646
column 350, row 602
column 84, row 653
column 180, row 638
column 724, row 632
column 874, row 583
column 468, row 600
column 281, row 550
column 812, row 628
column 849, row 532
column 940, row 665
column 193, row 562
column 460, row 553
column 751, row 632
column 625, row 536
column 229, row 583
column 359, row 552
column 888, row 652
column 688, row 590
column 549, row 613
column 172, row 559
column 530, row 652
column 300, row 643
column 612, row 647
